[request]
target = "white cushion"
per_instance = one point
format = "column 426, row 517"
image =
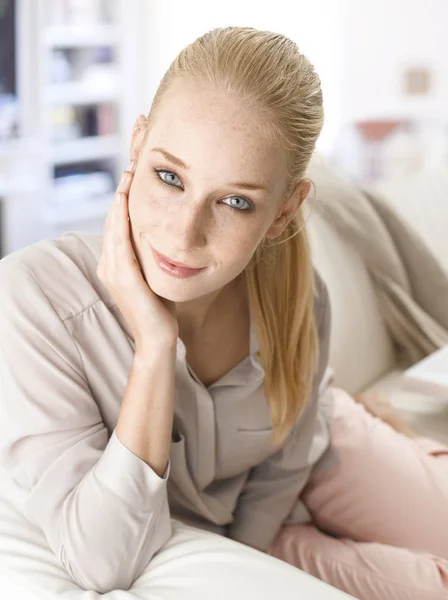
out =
column 422, row 200
column 193, row 564
column 361, row 348
column 427, row 415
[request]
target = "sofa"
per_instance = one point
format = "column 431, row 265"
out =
column 363, row 354
column 202, row 565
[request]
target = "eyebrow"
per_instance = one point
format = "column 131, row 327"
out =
column 180, row 163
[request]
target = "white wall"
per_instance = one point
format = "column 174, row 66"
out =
column 359, row 48
column 380, row 39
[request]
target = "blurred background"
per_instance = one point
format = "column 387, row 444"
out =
column 75, row 74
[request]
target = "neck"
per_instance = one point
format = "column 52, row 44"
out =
column 198, row 315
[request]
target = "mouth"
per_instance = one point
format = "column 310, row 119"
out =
column 179, row 270
column 175, row 263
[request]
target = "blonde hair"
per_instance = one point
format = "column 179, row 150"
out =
column 266, row 72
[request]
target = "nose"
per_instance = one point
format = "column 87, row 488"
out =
column 189, row 226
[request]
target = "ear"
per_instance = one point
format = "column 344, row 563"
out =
column 139, row 132
column 288, row 209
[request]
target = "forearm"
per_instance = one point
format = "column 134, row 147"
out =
column 134, row 467
column 120, row 504
column 145, row 421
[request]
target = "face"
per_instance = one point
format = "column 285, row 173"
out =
column 200, row 214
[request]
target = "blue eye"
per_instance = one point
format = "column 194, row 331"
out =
column 159, row 171
column 249, row 207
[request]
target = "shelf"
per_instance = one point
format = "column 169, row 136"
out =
column 79, row 93
column 20, row 146
column 86, row 148
column 17, row 187
column 106, row 58
column 88, row 35
column 75, row 212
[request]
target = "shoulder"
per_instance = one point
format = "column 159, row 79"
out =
column 322, row 312
column 62, row 269
column 322, row 308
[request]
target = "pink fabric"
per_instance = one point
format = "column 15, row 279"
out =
column 380, row 513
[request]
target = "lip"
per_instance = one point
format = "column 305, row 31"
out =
column 176, row 264
column 173, row 269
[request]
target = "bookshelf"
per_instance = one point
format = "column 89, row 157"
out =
column 79, row 70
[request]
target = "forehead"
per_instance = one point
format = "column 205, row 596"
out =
column 204, row 127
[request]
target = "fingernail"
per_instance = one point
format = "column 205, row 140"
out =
column 118, row 198
column 125, row 178
column 131, row 166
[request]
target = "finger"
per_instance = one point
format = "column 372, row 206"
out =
column 122, row 192
column 109, row 223
column 109, row 235
column 123, row 251
column 114, row 220
column 105, row 249
column 125, row 181
column 113, row 225
column 123, row 248
column 123, row 186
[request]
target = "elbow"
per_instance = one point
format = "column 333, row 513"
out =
column 100, row 579
column 106, row 585
column 101, row 575
column 100, row 585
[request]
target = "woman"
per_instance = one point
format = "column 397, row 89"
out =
column 134, row 388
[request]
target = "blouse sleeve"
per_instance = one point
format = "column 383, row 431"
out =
column 103, row 510
column 274, row 486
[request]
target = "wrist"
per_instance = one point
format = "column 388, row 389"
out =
column 147, row 355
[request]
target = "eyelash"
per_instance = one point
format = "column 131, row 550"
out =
column 250, row 209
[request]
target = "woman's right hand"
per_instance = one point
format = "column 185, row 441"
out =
column 152, row 319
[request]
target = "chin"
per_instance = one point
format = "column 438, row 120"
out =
column 176, row 290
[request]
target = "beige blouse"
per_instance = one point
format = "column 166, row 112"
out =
column 65, row 357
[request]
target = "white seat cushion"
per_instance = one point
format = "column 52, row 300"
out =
column 193, row 564
column 426, row 414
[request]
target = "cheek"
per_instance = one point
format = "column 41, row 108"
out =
column 238, row 243
column 143, row 204
column 246, row 233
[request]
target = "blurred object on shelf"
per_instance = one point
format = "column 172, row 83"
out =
column 60, row 67
column 374, row 135
column 9, row 117
column 417, row 81
column 73, row 122
column 80, row 64
column 374, row 150
column 78, row 12
column 64, row 126
column 71, row 188
column 107, row 121
column 80, row 195
column 83, row 76
column 413, row 147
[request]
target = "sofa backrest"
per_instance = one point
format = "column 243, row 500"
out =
column 421, row 199
column 361, row 348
